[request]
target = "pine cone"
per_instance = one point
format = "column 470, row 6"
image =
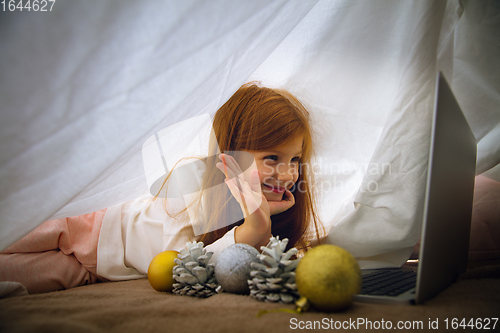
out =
column 195, row 276
column 273, row 277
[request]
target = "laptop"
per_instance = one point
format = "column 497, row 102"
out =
column 447, row 212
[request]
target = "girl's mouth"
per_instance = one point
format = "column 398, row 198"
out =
column 277, row 190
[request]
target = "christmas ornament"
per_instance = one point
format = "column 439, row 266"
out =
column 273, row 274
column 194, row 275
column 160, row 271
column 232, row 268
column 327, row 277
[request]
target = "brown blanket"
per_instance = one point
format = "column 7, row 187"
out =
column 133, row 306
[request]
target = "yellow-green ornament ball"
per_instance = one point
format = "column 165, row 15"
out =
column 328, row 276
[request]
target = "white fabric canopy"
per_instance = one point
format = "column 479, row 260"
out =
column 83, row 87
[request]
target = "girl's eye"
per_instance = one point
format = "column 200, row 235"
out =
column 272, row 158
column 296, row 159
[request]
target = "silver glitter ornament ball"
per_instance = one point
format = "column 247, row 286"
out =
column 232, row 267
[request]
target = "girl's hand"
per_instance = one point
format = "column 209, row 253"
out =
column 256, row 229
column 245, row 188
column 277, row 207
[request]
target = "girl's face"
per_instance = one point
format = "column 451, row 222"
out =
column 278, row 168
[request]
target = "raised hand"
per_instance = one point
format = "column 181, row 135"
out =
column 277, row 207
column 245, row 188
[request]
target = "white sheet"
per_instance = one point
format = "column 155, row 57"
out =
column 84, row 86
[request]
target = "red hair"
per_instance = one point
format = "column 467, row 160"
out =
column 259, row 118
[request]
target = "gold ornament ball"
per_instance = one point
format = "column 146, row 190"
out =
column 328, row 276
column 160, row 275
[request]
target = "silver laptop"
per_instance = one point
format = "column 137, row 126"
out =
column 447, row 212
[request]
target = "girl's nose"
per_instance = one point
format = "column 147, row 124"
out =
column 285, row 173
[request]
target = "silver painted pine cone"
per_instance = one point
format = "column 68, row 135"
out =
column 273, row 275
column 194, row 275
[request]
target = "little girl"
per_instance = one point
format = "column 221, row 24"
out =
column 118, row 243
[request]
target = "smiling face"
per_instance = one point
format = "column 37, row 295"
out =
column 278, row 168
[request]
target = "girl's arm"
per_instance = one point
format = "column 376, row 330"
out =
column 256, row 229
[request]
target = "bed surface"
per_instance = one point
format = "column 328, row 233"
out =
column 133, row 306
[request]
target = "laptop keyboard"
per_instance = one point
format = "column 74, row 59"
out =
column 388, row 282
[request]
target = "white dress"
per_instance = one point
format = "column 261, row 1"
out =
column 134, row 232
